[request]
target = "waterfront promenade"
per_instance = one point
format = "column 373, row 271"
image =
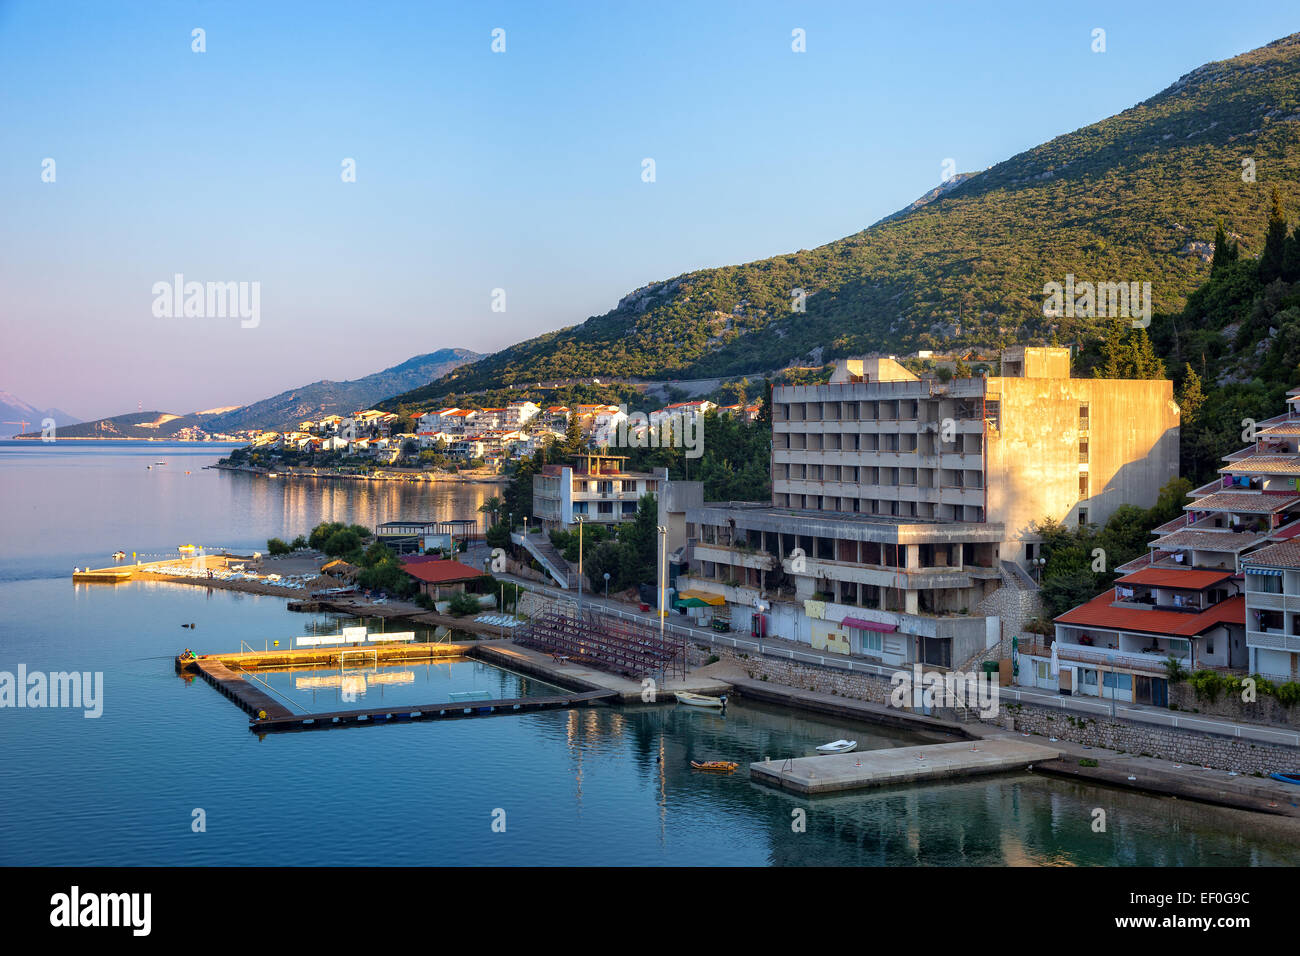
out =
column 1132, row 771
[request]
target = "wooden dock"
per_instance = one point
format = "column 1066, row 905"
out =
column 248, row 696
column 880, row 768
column 121, row 573
column 374, row 716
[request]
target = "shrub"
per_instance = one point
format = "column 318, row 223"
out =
column 276, row 546
column 1087, row 762
column 1174, row 670
column 462, row 604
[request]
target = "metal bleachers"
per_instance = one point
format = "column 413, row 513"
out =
column 605, row 642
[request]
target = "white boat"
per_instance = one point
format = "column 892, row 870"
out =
column 838, row 747
column 700, row 700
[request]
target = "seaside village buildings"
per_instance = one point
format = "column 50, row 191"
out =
column 493, row 436
column 1219, row 587
column 900, row 526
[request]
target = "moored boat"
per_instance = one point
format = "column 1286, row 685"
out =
column 1287, row 776
column 838, row 747
column 724, row 765
column 119, row 555
column 700, row 700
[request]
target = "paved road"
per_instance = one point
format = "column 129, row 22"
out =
column 779, row 647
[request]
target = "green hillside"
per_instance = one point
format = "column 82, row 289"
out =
column 1131, row 198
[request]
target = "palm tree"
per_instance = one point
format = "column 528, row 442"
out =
column 492, row 506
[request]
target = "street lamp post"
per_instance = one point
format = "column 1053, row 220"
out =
column 663, row 575
column 606, row 585
column 1113, row 682
column 663, row 583
column 1038, row 569
column 581, row 522
column 759, row 607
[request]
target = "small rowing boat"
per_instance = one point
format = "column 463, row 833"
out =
column 1287, row 776
column 724, row 765
column 838, row 747
column 700, row 700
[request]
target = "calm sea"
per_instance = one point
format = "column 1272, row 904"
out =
column 594, row 786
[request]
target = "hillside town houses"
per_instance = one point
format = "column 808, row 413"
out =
column 1219, row 587
column 490, row 436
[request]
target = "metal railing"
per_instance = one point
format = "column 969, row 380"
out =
column 1018, row 694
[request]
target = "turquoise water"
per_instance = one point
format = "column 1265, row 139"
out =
column 600, row 785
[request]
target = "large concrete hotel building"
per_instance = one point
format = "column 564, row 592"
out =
column 902, row 513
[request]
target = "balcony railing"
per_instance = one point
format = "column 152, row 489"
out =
column 1099, row 655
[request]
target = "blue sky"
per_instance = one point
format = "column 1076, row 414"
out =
column 477, row 170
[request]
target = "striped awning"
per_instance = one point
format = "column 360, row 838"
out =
column 865, row 625
column 1273, row 571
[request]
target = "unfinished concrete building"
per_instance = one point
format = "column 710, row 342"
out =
column 902, row 514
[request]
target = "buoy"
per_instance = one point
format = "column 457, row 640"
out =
column 276, row 643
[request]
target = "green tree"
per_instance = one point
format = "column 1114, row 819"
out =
column 1190, row 397
column 573, row 441
column 1225, row 252
column 491, row 507
column 1271, row 259
column 1291, row 256
column 638, row 545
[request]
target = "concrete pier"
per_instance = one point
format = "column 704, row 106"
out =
column 529, row 660
column 879, row 768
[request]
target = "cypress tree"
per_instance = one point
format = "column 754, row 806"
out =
column 1291, row 257
column 1143, row 361
column 1270, row 260
column 1112, row 351
column 1225, row 252
column 1190, row 396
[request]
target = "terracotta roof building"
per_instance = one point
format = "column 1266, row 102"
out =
column 440, row 577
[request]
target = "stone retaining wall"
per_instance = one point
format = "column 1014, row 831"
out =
column 1176, row 744
column 1264, row 710
column 1179, row 745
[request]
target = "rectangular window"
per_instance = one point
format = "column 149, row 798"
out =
column 1083, row 486
column 1112, row 680
column 1264, row 583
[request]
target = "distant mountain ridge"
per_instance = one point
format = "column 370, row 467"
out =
column 151, row 424
column 278, row 413
column 13, row 411
column 318, row 399
column 1134, row 197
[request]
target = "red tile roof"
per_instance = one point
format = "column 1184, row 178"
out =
column 1175, row 578
column 1099, row 613
column 445, row 571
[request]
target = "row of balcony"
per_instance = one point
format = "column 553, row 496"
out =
column 880, row 458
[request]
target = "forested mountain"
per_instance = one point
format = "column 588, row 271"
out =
column 1135, row 197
